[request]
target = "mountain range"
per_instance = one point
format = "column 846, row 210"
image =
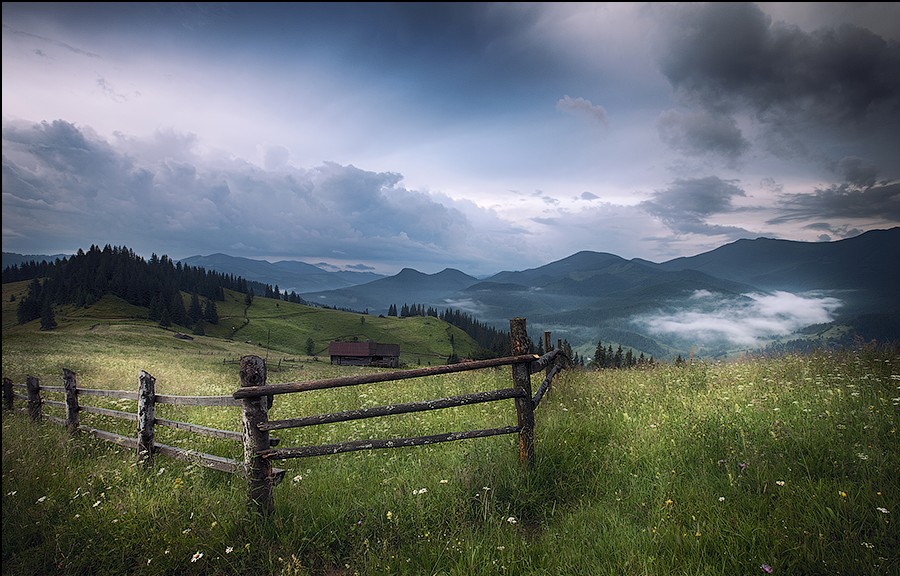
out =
column 740, row 296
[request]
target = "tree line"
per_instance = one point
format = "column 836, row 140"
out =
column 605, row 357
column 156, row 284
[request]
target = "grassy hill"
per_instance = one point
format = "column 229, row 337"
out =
column 267, row 326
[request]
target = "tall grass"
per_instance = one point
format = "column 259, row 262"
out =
column 789, row 465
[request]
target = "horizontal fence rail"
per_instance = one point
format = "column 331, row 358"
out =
column 289, row 387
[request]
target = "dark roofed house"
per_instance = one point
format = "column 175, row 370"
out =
column 364, row 354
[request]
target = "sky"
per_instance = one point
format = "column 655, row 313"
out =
column 476, row 136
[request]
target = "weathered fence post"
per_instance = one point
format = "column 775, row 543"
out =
column 518, row 340
column 146, row 417
column 34, row 397
column 7, row 394
column 256, row 411
column 547, row 349
column 69, row 384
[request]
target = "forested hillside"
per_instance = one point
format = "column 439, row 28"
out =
column 160, row 285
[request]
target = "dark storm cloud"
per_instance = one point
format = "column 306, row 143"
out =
column 823, row 94
column 65, row 184
column 880, row 202
column 856, row 171
column 697, row 133
column 686, row 205
column 728, row 55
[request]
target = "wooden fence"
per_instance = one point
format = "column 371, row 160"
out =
column 147, row 399
column 255, row 397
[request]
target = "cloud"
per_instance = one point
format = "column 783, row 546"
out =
column 687, row 204
column 746, row 321
column 731, row 54
column 584, row 109
column 820, row 94
column 65, row 185
column 878, row 203
column 697, row 133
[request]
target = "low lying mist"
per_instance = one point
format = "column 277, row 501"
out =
column 748, row 320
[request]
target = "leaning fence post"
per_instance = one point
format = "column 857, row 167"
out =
column 256, row 411
column 547, row 349
column 146, row 417
column 34, row 397
column 518, row 340
column 71, row 400
column 7, row 394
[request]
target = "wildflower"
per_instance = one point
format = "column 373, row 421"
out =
column 420, row 491
column 13, row 493
column 721, row 498
column 390, row 515
column 229, row 549
column 41, row 499
column 668, row 502
column 77, row 516
column 443, row 481
column 160, row 471
column 780, row 482
column 512, row 520
column 197, row 555
column 297, row 478
column 766, row 568
column 97, row 503
column 186, row 530
column 868, row 545
column 883, row 510
column 843, row 494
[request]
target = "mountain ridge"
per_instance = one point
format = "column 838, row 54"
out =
column 660, row 306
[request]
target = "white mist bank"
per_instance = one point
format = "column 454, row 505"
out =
column 746, row 321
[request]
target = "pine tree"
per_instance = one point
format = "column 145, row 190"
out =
column 194, row 313
column 210, row 313
column 48, row 320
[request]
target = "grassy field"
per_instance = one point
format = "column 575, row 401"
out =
column 783, row 466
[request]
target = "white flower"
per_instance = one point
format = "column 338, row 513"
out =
column 721, row 498
column 298, row 478
column 41, row 499
column 198, row 555
column 97, row 503
column 229, row 550
column 883, row 510
column 512, row 520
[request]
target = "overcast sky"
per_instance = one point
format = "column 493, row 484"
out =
column 482, row 137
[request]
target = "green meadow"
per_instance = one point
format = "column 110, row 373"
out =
column 782, row 465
